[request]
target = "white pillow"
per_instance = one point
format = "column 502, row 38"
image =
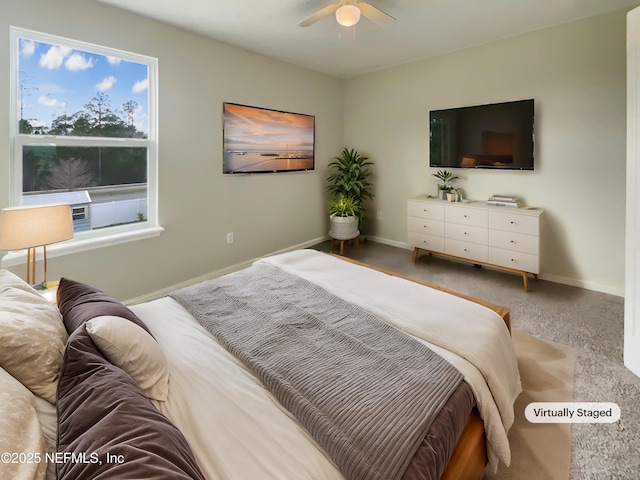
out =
column 32, row 336
column 21, row 439
column 131, row 348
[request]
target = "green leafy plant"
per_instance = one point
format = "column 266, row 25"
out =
column 343, row 206
column 446, row 178
column 349, row 178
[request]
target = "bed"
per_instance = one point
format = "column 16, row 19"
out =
column 221, row 380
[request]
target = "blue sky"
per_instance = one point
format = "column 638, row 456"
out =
column 60, row 80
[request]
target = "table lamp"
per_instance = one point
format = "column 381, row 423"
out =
column 35, row 226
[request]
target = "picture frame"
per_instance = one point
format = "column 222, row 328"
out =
column 263, row 140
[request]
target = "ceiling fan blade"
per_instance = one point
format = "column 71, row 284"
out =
column 318, row 15
column 376, row 15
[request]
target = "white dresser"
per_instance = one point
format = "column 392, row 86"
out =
column 501, row 237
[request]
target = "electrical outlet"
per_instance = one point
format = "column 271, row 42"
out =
column 378, row 215
column 230, row 237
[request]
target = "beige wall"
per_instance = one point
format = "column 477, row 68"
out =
column 576, row 74
column 197, row 204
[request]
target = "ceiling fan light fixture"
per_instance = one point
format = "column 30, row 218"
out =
column 348, row 15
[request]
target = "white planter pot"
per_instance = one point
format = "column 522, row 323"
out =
column 344, row 228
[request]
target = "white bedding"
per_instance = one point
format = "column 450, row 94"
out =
column 231, row 421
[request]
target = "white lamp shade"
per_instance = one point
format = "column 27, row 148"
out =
column 34, row 225
column 348, row 15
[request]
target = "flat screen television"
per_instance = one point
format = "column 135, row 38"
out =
column 261, row 140
column 497, row 135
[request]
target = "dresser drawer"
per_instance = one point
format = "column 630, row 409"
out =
column 428, row 242
column 470, row 251
column 466, row 233
column 430, row 210
column 513, row 222
column 518, row 242
column 517, row 260
column 426, row 225
column 466, row 216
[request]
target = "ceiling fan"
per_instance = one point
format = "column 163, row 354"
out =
column 348, row 14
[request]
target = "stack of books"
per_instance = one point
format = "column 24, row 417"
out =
column 504, row 201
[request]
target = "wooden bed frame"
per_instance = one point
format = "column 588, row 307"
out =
column 469, row 458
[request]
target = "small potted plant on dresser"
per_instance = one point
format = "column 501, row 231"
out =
column 445, row 187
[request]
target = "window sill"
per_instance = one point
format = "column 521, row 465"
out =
column 83, row 244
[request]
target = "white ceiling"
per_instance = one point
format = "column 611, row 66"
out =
column 424, row 28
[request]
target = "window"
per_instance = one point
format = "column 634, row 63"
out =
column 79, row 213
column 84, row 121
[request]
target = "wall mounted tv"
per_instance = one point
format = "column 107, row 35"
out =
column 498, row 135
column 260, row 140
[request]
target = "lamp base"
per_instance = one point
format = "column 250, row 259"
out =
column 40, row 286
column 45, row 285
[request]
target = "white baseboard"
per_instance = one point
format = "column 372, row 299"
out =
column 223, row 271
column 386, row 241
column 574, row 282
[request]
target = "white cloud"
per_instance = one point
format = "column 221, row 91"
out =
column 50, row 88
column 113, row 60
column 54, row 57
column 27, row 47
column 140, row 86
column 35, row 123
column 50, row 102
column 77, row 62
column 106, row 84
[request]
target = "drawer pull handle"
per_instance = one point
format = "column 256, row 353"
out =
column 512, row 241
column 466, row 216
column 466, row 250
column 512, row 222
column 466, row 233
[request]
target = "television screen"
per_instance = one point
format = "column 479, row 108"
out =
column 498, row 135
column 260, row 140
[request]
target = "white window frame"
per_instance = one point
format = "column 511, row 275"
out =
column 101, row 237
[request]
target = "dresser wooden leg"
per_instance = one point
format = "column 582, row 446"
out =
column 525, row 279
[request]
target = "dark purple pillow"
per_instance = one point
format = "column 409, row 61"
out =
column 108, row 429
column 79, row 303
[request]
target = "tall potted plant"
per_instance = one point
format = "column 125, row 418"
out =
column 349, row 178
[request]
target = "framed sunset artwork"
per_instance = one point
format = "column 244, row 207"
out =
column 261, row 140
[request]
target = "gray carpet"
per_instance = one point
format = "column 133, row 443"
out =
column 589, row 322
